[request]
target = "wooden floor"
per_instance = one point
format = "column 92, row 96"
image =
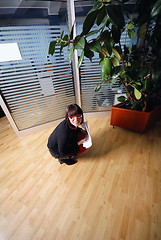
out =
column 112, row 193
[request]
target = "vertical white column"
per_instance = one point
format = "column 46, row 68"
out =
column 71, row 21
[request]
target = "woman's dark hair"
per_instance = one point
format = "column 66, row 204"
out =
column 72, row 110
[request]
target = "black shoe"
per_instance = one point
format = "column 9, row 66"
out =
column 60, row 161
column 69, row 161
column 73, row 157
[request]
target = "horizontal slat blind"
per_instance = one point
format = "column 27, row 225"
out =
column 94, row 101
column 37, row 88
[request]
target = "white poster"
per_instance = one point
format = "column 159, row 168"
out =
column 9, row 52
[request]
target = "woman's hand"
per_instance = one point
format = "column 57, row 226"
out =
column 82, row 141
column 84, row 137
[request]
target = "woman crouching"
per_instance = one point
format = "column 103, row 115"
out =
column 66, row 141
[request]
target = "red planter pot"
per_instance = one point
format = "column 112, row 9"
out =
column 134, row 120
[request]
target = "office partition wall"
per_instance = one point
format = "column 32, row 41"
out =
column 37, row 87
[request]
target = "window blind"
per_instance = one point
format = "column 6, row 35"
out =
column 37, row 88
column 95, row 101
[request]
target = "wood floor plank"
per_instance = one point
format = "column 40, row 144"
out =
column 112, row 193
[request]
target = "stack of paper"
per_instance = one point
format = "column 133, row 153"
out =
column 88, row 142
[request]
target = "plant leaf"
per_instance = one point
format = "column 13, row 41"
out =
column 116, row 33
column 105, row 68
column 104, row 36
column 71, row 32
column 81, row 59
column 116, row 15
column 65, row 38
column 105, row 51
column 130, row 25
column 80, row 44
column 131, row 33
column 108, row 46
column 116, row 53
column 115, row 75
column 143, row 72
column 64, row 43
column 101, row 15
column 89, row 54
column 137, row 93
column 156, row 10
column 89, row 21
column 146, row 84
column 117, row 71
column 97, row 5
column 95, row 46
column 121, row 98
column 52, row 47
column 115, row 61
column 97, row 87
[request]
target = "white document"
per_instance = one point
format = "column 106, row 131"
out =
column 46, row 83
column 88, row 142
column 9, row 52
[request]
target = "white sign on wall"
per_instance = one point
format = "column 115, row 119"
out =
column 9, row 52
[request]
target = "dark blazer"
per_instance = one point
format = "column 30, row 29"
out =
column 63, row 141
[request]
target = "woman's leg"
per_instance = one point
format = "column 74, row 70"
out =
column 82, row 149
column 67, row 160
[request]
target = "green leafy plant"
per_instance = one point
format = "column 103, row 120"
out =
column 136, row 67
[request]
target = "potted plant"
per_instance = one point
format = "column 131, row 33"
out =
column 135, row 67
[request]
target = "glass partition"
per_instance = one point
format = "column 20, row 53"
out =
column 37, row 88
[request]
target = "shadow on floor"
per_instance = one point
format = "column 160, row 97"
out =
column 103, row 143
